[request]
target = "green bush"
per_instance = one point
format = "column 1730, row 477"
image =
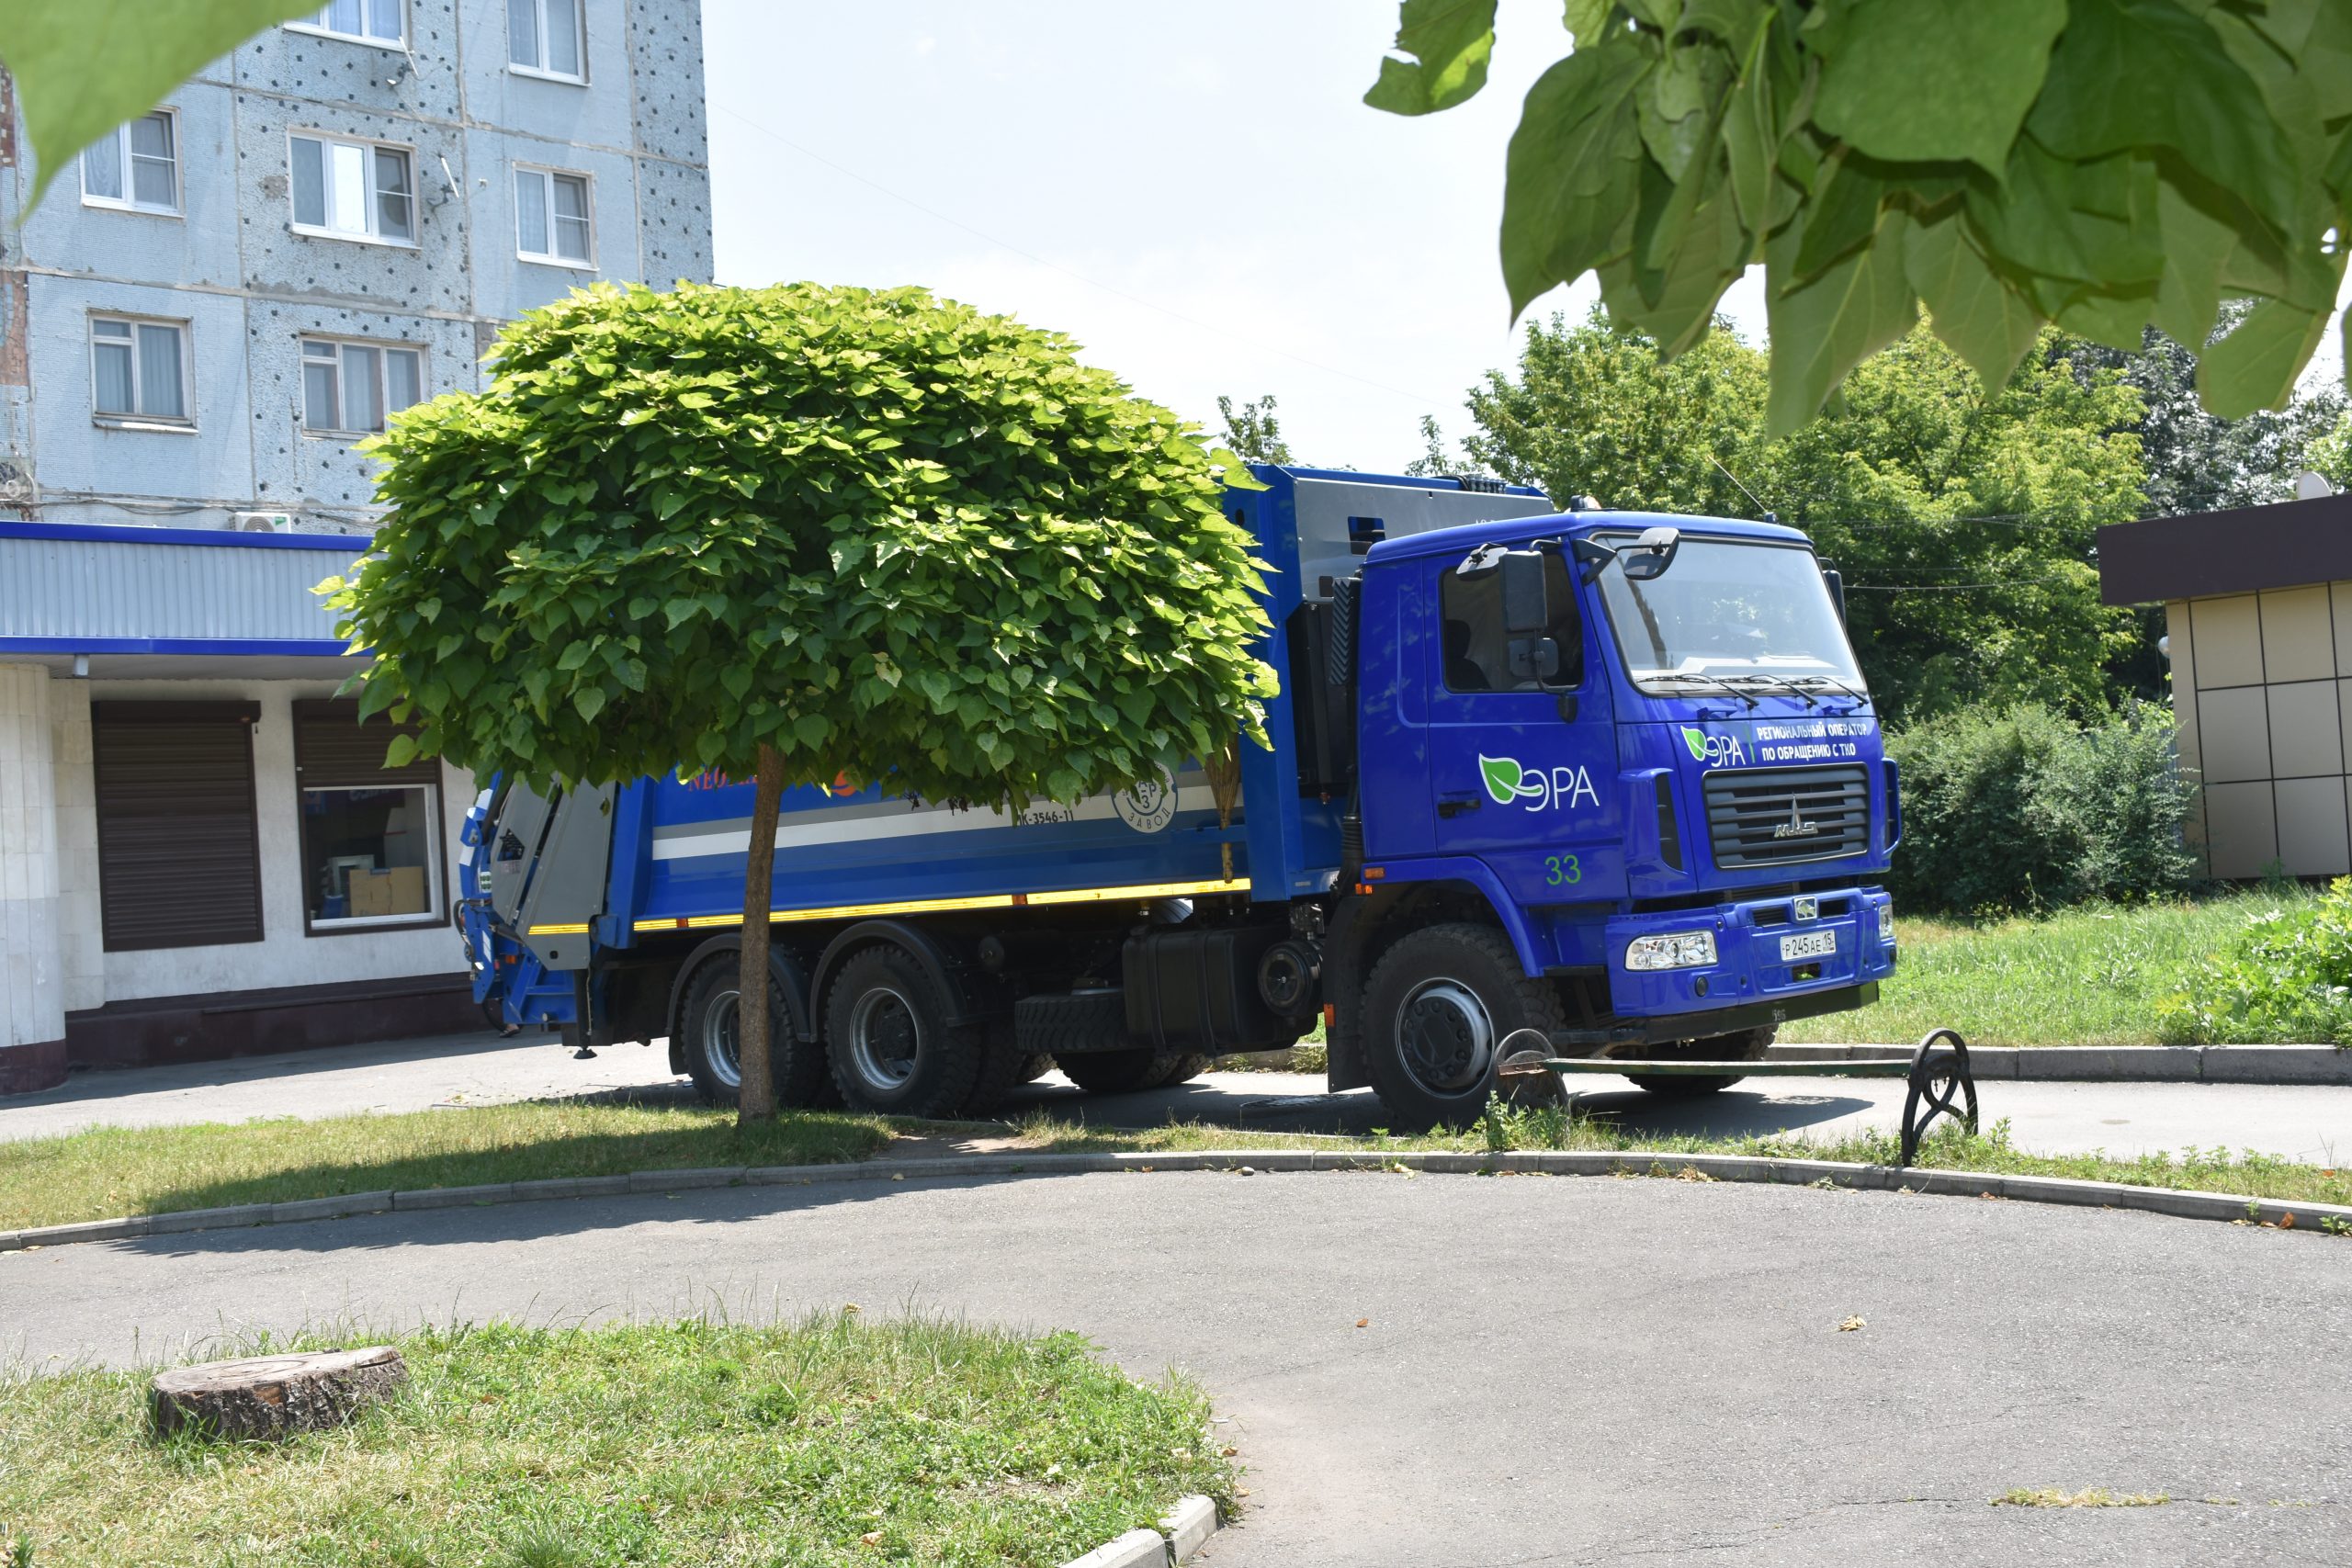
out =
column 2017, row 809
column 2287, row 977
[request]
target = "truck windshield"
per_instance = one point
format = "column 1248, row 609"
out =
column 1726, row 611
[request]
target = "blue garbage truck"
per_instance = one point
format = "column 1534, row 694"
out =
column 1612, row 776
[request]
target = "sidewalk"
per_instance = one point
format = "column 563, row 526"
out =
column 2307, row 1122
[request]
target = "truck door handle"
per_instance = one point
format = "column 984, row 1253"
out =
column 1456, row 805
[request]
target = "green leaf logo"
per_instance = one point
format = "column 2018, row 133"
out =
column 1502, row 775
column 1697, row 740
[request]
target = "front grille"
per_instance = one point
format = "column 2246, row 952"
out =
column 1779, row 815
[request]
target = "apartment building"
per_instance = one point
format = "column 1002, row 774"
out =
column 200, row 853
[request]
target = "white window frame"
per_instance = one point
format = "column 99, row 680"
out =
column 546, row 74
column 135, row 420
column 317, row 26
column 374, row 236
column 549, row 176
column 434, row 872
column 384, row 348
column 124, row 177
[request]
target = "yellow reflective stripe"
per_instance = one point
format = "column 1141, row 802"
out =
column 1142, row 890
column 939, row 905
column 581, row 930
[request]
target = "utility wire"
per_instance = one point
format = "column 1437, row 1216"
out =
column 1417, row 399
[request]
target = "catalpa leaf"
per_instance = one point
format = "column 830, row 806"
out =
column 1971, row 308
column 1451, row 41
column 2255, row 367
column 2132, row 75
column 1572, row 174
column 1934, row 81
column 1823, row 329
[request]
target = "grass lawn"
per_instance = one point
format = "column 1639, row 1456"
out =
column 146, row 1170
column 1948, row 1147
column 690, row 1443
column 2081, row 978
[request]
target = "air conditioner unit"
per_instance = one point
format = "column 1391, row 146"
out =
column 261, row 522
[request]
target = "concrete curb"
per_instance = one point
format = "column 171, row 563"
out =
column 1181, row 1533
column 1244, row 1162
column 2121, row 1063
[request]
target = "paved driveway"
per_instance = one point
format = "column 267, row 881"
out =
column 1551, row 1371
column 2300, row 1122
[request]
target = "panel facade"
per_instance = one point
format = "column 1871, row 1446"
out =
column 2262, row 687
column 263, row 249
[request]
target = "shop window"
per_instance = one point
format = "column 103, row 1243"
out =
column 371, row 835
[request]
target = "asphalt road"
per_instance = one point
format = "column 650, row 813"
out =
column 1436, row 1370
column 2311, row 1123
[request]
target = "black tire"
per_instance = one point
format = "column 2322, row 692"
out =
column 707, row 1040
column 1749, row 1045
column 1066, row 1025
column 1119, row 1072
column 1035, row 1066
column 1185, row 1068
column 1437, row 1007
column 887, row 1036
column 1001, row 1065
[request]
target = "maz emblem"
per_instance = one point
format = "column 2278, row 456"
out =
column 1796, row 827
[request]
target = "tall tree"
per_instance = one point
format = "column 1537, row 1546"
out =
column 1252, row 432
column 1962, row 519
column 801, row 535
column 2102, row 165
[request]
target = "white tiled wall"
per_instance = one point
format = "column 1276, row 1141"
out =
column 33, row 981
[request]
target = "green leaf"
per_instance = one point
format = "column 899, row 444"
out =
column 1572, row 174
column 1587, row 19
column 1451, row 41
column 1823, row 329
column 574, row 656
column 590, row 701
column 401, row 751
column 83, row 67
column 1972, row 309
column 1502, row 776
column 2142, row 73
column 1934, row 81
column 1752, row 138
column 811, row 729
column 2255, row 366
column 2196, row 247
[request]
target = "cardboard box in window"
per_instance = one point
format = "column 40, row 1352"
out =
column 399, row 891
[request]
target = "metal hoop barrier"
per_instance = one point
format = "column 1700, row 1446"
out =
column 1939, row 1077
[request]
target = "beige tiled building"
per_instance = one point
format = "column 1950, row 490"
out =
column 2258, row 610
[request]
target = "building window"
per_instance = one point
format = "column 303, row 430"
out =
column 354, row 190
column 370, row 21
column 350, row 387
column 552, row 221
column 543, row 38
column 137, row 369
column 371, row 835
column 179, row 852
column 137, row 167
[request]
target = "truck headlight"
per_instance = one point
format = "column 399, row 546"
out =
column 1886, row 924
column 1680, row 950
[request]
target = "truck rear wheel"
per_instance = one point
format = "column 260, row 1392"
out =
column 886, row 1035
column 1749, row 1045
column 1125, row 1072
column 1437, row 1007
column 708, row 1025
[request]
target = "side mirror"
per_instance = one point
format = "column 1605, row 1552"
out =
column 1525, row 595
column 1648, row 558
column 1835, row 582
column 1536, row 659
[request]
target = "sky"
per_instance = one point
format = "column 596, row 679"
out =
column 1198, row 195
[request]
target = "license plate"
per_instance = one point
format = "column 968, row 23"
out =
column 1811, row 944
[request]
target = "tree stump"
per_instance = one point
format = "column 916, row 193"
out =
column 276, row 1396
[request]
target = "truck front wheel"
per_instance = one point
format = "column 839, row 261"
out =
column 892, row 1050
column 1437, row 1007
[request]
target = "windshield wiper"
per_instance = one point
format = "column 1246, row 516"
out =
column 1717, row 681
column 1835, row 686
column 1780, row 683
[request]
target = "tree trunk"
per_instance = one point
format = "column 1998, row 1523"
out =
column 276, row 1396
column 756, row 1101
